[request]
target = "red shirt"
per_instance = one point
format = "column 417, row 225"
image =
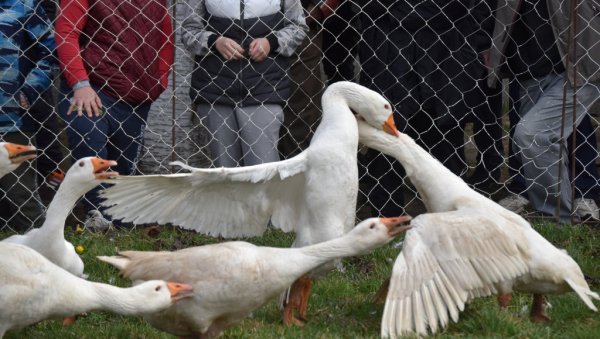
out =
column 123, row 31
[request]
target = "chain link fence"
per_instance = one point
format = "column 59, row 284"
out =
column 431, row 59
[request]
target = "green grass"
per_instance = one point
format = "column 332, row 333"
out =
column 340, row 305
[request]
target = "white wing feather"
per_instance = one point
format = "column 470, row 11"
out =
column 234, row 202
column 448, row 258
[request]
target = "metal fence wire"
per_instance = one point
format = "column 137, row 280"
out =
column 486, row 86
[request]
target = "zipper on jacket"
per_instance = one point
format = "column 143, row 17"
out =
column 241, row 61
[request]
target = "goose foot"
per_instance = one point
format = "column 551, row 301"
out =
column 68, row 321
column 537, row 309
column 297, row 300
column 504, row 300
column 381, row 295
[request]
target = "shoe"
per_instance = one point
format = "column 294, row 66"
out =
column 586, row 208
column 514, row 202
column 54, row 179
column 95, row 221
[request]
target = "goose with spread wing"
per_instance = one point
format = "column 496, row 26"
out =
column 13, row 155
column 468, row 247
column 49, row 239
column 232, row 279
column 33, row 289
column 313, row 193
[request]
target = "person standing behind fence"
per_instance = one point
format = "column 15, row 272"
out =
column 423, row 56
column 116, row 57
column 302, row 111
column 44, row 119
column 533, row 38
column 242, row 53
column 23, row 24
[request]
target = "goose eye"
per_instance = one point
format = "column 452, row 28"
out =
column 386, row 106
column 81, row 164
column 157, row 288
column 372, row 226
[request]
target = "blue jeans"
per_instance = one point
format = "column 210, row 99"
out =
column 115, row 135
column 537, row 139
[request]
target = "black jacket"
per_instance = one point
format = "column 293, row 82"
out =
column 424, row 55
column 242, row 82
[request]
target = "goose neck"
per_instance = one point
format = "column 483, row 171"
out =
column 118, row 300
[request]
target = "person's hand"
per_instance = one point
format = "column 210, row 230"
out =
column 229, row 49
column 23, row 101
column 85, row 99
column 314, row 16
column 485, row 55
column 259, row 49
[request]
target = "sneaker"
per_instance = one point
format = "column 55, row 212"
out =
column 514, row 202
column 586, row 208
column 54, row 179
column 95, row 221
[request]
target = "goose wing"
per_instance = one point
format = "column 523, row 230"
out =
column 446, row 259
column 228, row 202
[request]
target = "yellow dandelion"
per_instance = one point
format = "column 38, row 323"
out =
column 79, row 229
column 79, row 249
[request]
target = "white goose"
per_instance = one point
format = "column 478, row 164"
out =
column 33, row 289
column 313, row 193
column 12, row 155
column 49, row 239
column 232, row 279
column 469, row 247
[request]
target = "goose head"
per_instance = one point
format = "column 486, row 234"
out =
column 375, row 232
column 88, row 172
column 367, row 105
column 153, row 296
column 12, row 155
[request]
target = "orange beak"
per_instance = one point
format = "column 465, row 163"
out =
column 180, row 291
column 100, row 167
column 20, row 153
column 389, row 126
column 394, row 224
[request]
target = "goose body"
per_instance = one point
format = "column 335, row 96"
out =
column 313, row 193
column 467, row 246
column 49, row 239
column 232, row 279
column 33, row 289
column 12, row 155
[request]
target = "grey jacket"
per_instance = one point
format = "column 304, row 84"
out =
column 586, row 58
column 194, row 34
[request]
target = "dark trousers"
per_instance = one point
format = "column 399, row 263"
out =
column 44, row 116
column 302, row 113
column 115, row 135
column 383, row 175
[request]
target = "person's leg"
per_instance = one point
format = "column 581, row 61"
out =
column 46, row 137
column 224, row 145
column 537, row 137
column 126, row 135
column 21, row 204
column 259, row 131
column 302, row 111
column 516, row 183
column 383, row 176
column 586, row 152
column 488, row 136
